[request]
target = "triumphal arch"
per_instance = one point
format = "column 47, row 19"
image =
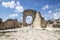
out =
column 36, row 17
column 26, row 13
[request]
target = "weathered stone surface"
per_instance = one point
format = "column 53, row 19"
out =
column 37, row 22
column 2, row 25
column 55, row 22
column 0, row 21
column 49, row 25
column 36, row 18
column 16, row 23
column 28, row 13
column 44, row 24
column 9, row 24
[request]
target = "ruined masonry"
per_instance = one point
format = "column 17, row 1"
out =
column 37, row 21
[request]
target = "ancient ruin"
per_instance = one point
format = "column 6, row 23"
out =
column 35, row 15
column 37, row 21
column 28, row 13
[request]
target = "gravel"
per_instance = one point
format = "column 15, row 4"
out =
column 28, row 33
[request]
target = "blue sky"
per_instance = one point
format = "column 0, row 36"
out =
column 49, row 9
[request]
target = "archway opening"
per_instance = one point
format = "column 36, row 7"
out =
column 29, row 20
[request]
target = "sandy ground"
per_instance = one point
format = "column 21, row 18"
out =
column 28, row 33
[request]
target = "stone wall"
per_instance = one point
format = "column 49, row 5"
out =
column 10, row 23
column 44, row 24
column 37, row 23
column 16, row 23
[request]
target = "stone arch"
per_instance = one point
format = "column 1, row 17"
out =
column 28, row 13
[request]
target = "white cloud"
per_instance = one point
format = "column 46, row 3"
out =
column 49, row 11
column 45, row 7
column 56, row 15
column 13, row 15
column 18, row 3
column 19, row 9
column 8, row 4
column 14, row 5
